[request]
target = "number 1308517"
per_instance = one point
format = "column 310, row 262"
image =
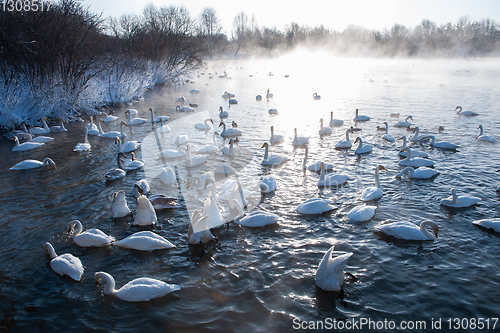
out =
column 24, row 5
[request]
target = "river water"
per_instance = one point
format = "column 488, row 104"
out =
column 263, row 279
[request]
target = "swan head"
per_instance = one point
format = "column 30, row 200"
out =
column 358, row 139
column 177, row 108
column 50, row 250
column 380, row 167
column 74, row 224
column 265, row 145
column 480, row 127
column 220, row 108
column 459, row 108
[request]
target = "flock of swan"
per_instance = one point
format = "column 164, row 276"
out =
column 329, row 274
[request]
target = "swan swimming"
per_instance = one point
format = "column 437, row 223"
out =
column 116, row 173
column 229, row 151
column 164, row 128
column 134, row 121
column 420, row 173
column 88, row 238
column 255, row 219
column 410, row 231
column 459, row 201
column 222, row 113
column 32, row 164
column 85, row 145
column 361, row 213
column 405, row 123
column 442, row 144
column 274, row 159
column 335, row 122
column 373, row 193
column 482, row 137
column 315, row 166
column 489, row 224
column 414, row 152
column 158, row 118
column 114, row 134
column 64, row 264
column 415, row 161
column 198, row 231
column 210, row 208
column 417, row 137
column 315, row 206
column 330, row 179
column 330, row 272
column 109, row 117
column 40, row 130
column 119, row 207
column 344, row 144
column 91, row 125
column 362, row 149
column 145, row 214
column 229, row 132
column 26, row 145
column 133, row 164
column 387, row 136
column 299, row 140
column 144, row 241
column 360, row 117
column 276, row 138
column 268, row 184
column 465, row 113
column 167, row 176
column 324, row 130
column 316, row 96
column 60, row 128
column 127, row 146
column 194, row 160
column 204, row 125
column 138, row 290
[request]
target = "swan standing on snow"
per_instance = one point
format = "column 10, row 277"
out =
column 344, row 144
column 465, row 113
column 459, row 201
column 330, row 179
column 114, row 134
column 274, row 159
column 88, row 238
column 268, row 184
column 145, row 214
column 330, row 272
column 420, row 173
column 487, row 138
column 255, row 219
column 489, row 224
column 442, row 145
column 362, row 149
column 405, row 123
column 373, row 193
column 119, row 207
column 138, row 290
column 410, row 231
column 64, row 264
column 315, row 166
column 116, row 173
column 324, row 130
column 198, row 231
column 415, row 161
column 32, row 164
column 144, row 241
column 134, row 121
column 335, row 122
column 361, row 213
column 26, row 145
column 276, row 138
column 414, row 152
column 299, row 140
column 387, row 136
column 85, row 145
column 229, row 132
column 315, row 206
column 360, row 117
column 204, row 126
column 128, row 146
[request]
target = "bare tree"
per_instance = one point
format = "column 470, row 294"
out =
column 210, row 25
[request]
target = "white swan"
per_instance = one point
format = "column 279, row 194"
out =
column 330, row 179
column 417, row 137
column 360, row 117
column 64, row 264
column 229, row 132
column 32, row 164
column 276, row 138
column 273, row 111
column 85, row 145
column 109, row 117
column 299, row 140
column 415, row 161
column 222, row 113
column 114, row 134
column 361, row 213
column 194, row 160
column 414, row 152
column 141, row 187
column 420, row 173
column 91, row 125
column 26, row 145
column 330, row 272
column 387, row 136
column 97, row 131
column 335, row 122
column 324, row 130
column 59, row 129
column 465, row 113
column 373, row 192
column 40, row 130
column 145, row 214
column 173, row 153
column 442, row 144
column 128, row 146
column 164, row 128
column 269, row 95
column 362, row 149
column 224, row 169
column 184, row 109
column 138, row 290
column 316, row 96
column 207, row 149
column 274, row 159
column 489, row 224
column 258, row 97
column 255, row 219
column 119, row 207
column 229, row 151
column 167, row 176
column 410, row 231
column 315, row 166
column 88, row 238
column 405, row 123
column 158, row 118
column 315, row 206
column 211, row 209
column 344, row 144
column 116, row 173
column 487, row 138
column 133, row 164
column 133, row 112
column 144, row 241
column 204, row 126
column 459, row 201
column 134, row 121
column 268, row 184
column 198, row 231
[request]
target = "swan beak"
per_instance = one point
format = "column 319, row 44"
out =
column 356, row 140
column 383, row 168
column 189, row 183
column 413, row 129
column 436, row 233
column 263, row 145
column 211, row 121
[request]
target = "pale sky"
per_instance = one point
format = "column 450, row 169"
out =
column 333, row 14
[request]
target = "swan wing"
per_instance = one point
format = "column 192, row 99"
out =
column 330, row 274
column 144, row 241
column 67, row 264
column 93, row 237
column 259, row 219
column 489, row 223
column 371, row 193
column 144, row 289
column 403, row 230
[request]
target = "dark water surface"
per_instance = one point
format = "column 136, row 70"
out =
column 262, row 279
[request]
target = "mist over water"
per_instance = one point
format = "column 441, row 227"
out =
column 261, row 279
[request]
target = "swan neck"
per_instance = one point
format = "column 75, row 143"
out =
column 109, row 281
column 481, row 130
column 423, row 228
column 87, row 137
column 377, row 183
column 78, row 228
column 266, row 153
column 455, row 198
column 119, row 162
column 347, row 135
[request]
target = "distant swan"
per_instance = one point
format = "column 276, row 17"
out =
column 360, row 117
column 414, row 152
column 330, row 272
column 88, row 238
column 109, row 118
column 487, row 138
column 465, row 113
column 316, row 96
column 194, row 160
column 299, row 140
column 138, row 290
column 373, row 193
column 410, row 231
column 273, row 111
column 144, row 241
column 335, row 122
column 59, row 129
column 417, row 137
column 167, row 176
column 344, row 144
column 387, row 136
column 274, row 159
column 164, row 128
column 442, row 144
column 269, row 95
column 222, row 113
column 362, row 149
column 276, row 138
column 315, row 206
column 64, row 264
column 133, row 164
column 361, row 213
column 459, row 201
column 32, row 164
column 85, row 145
column 405, row 123
column 158, row 118
column 315, row 166
column 420, row 173
column 229, row 151
column 40, row 130
column 324, row 130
